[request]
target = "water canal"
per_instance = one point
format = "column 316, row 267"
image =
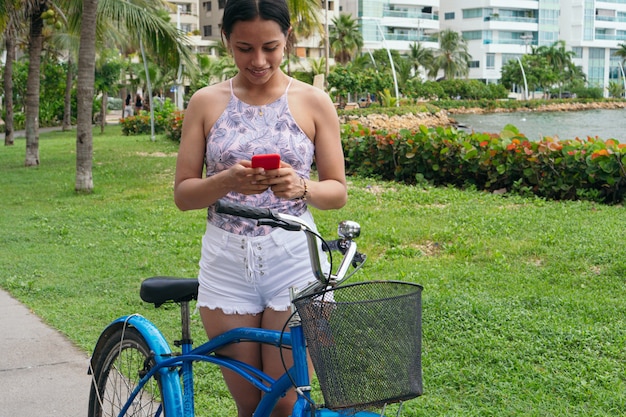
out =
column 605, row 124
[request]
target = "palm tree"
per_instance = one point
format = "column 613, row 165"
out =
column 556, row 54
column 452, row 56
column 318, row 66
column 107, row 74
column 10, row 14
column 420, row 57
column 34, row 9
column 140, row 23
column 305, row 18
column 621, row 52
column 559, row 60
column 84, row 94
column 345, row 38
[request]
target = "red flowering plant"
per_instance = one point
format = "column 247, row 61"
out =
column 174, row 125
column 550, row 168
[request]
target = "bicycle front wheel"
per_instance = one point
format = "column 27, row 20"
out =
column 123, row 361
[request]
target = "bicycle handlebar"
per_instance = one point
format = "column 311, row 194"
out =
column 345, row 245
column 266, row 216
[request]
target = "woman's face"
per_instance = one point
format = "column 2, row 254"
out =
column 258, row 48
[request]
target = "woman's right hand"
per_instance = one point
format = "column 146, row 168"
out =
column 246, row 180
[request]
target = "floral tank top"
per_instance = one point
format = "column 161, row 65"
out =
column 244, row 130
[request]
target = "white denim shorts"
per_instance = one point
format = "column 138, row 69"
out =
column 246, row 275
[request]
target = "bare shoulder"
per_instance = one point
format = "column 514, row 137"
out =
column 312, row 109
column 309, row 93
column 214, row 93
column 207, row 104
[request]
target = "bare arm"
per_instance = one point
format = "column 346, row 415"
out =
column 316, row 115
column 330, row 191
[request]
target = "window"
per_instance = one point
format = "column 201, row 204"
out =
column 471, row 35
column 449, row 16
column 474, row 64
column 207, row 30
column 207, row 6
column 221, row 4
column 472, row 13
column 595, row 75
column 490, row 61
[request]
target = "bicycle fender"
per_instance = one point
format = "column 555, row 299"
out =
column 170, row 381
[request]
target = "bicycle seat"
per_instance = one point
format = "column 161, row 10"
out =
column 160, row 290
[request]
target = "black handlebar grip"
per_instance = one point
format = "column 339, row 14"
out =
column 243, row 211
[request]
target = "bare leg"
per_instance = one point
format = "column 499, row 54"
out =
column 272, row 362
column 264, row 357
column 246, row 396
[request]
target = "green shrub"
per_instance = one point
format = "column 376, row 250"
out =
column 136, row 125
column 589, row 169
column 174, row 126
column 140, row 123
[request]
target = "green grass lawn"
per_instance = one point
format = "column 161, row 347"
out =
column 524, row 299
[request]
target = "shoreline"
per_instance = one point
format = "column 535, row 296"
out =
column 556, row 107
column 445, row 118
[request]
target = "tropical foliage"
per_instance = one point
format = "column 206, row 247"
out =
column 452, row 57
column 345, row 38
column 549, row 68
column 589, row 168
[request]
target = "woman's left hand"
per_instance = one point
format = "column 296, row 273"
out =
column 284, row 182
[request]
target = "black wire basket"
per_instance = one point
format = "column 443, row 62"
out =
column 365, row 342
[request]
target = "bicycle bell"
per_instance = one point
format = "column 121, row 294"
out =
column 348, row 229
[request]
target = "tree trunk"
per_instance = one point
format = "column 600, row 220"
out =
column 32, row 85
column 103, row 111
column 85, row 91
column 67, row 106
column 8, row 88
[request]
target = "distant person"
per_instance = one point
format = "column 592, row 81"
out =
column 138, row 103
column 128, row 108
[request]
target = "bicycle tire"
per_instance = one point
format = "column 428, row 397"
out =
column 117, row 370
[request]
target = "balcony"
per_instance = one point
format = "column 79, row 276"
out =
column 410, row 14
column 532, row 20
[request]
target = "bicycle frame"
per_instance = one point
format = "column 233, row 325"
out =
column 172, row 368
column 180, row 402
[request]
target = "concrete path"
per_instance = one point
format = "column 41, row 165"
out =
column 41, row 372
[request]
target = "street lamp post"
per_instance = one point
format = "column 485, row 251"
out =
column 526, row 38
column 178, row 93
column 393, row 67
column 326, row 44
column 145, row 67
column 523, row 76
column 621, row 67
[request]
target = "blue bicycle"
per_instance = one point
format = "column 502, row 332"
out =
column 364, row 340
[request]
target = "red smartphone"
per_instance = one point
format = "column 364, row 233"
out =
column 267, row 161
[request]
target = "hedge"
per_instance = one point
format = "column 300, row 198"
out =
column 590, row 169
column 587, row 169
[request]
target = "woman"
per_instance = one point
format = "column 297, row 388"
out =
column 138, row 103
column 246, row 271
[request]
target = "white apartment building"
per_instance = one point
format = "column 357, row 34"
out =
column 395, row 24
column 594, row 29
column 210, row 14
column 185, row 16
column 496, row 31
column 500, row 30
